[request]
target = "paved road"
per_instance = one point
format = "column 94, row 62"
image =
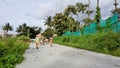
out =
column 66, row 57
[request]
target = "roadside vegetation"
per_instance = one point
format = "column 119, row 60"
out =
column 108, row 43
column 11, row 51
column 73, row 18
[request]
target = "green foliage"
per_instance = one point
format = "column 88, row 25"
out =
column 11, row 52
column 48, row 33
column 33, row 31
column 62, row 23
column 48, row 21
column 98, row 15
column 87, row 21
column 26, row 30
column 102, row 42
column 7, row 27
column 116, row 10
column 24, row 38
column 70, row 9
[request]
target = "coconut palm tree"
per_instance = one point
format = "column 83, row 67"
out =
column 26, row 30
column 7, row 27
column 23, row 29
column 48, row 21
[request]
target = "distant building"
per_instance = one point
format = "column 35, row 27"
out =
column 3, row 33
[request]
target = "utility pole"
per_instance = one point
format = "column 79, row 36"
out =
column 28, row 32
column 6, row 2
column 97, row 3
column 115, row 5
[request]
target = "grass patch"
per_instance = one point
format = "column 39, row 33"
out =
column 108, row 43
column 11, row 52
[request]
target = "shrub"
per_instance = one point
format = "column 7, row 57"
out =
column 108, row 42
column 11, row 52
column 24, row 39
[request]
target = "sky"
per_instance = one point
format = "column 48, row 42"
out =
column 34, row 12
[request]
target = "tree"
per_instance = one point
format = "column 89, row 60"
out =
column 63, row 23
column 48, row 22
column 98, row 13
column 33, row 31
column 75, row 10
column 98, row 16
column 71, row 9
column 23, row 29
column 87, row 20
column 81, row 8
column 7, row 27
column 48, row 33
column 26, row 30
column 88, row 12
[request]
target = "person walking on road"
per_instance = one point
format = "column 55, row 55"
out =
column 37, row 41
column 51, row 41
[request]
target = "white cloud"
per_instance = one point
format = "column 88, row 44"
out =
column 49, row 8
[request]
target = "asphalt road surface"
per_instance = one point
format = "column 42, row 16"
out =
column 60, row 56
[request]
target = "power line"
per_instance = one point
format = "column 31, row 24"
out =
column 6, row 2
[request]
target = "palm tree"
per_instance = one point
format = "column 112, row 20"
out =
column 26, row 30
column 23, row 29
column 7, row 27
column 48, row 21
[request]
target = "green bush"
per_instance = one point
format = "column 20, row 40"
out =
column 11, row 52
column 24, row 38
column 108, row 43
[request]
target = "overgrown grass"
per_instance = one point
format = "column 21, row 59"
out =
column 11, row 52
column 108, row 43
